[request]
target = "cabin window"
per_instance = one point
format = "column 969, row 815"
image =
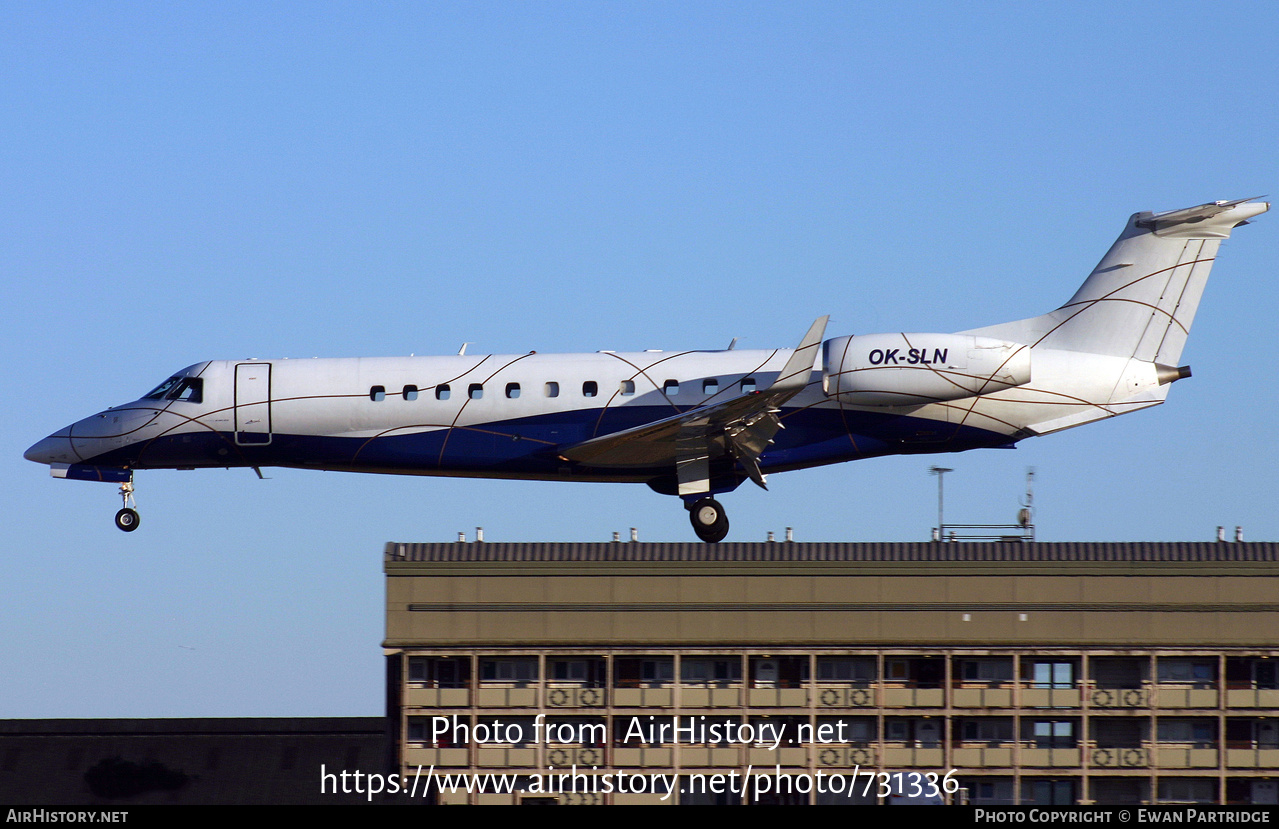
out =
column 377, row 394
column 670, row 387
column 410, row 392
column 590, row 389
column 442, row 391
column 749, row 385
column 552, row 389
column 627, row 388
column 475, row 391
column 512, row 390
column 710, row 386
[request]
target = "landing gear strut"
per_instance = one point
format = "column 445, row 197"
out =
column 127, row 519
column 709, row 520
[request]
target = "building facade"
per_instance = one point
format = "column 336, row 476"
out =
column 837, row 673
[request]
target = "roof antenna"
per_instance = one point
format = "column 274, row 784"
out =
column 1026, row 515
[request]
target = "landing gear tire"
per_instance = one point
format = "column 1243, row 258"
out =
column 709, row 520
column 127, row 519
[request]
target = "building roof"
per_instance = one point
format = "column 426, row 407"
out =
column 1085, row 551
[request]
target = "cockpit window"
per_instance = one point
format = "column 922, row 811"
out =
column 190, row 389
column 164, row 388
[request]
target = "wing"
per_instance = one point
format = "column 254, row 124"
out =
column 741, row 428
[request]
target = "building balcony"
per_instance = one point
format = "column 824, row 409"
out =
column 914, row 698
column 447, row 757
column 1050, row 757
column 1118, row 757
column 643, row 757
column 419, row 697
column 709, row 756
column 778, row 697
column 897, row 755
column 1119, row 697
column 506, row 698
column 978, row 757
column 1252, row 698
column 643, row 698
column 1186, row 757
column 1252, row 758
column 575, row 697
column 844, row 696
column 710, row 697
column 1050, row 698
column 846, row 757
column 985, row 697
column 1173, row 696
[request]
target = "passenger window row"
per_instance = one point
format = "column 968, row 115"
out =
column 475, row 391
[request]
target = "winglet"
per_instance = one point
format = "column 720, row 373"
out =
column 799, row 367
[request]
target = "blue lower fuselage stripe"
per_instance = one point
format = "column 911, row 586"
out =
column 529, row 447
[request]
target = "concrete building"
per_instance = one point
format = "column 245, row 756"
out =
column 1032, row 673
column 120, row 763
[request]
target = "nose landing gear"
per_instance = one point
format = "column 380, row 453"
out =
column 127, row 519
column 709, row 520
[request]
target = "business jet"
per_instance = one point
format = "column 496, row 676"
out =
column 692, row 424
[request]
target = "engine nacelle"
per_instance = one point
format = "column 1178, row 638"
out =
column 915, row 369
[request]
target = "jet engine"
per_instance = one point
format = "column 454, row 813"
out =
column 915, row 369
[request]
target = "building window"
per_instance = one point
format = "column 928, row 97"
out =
column 631, row 672
column 512, row 390
column 552, row 389
column 442, row 391
column 1052, row 674
column 439, row 672
column 1199, row 733
column 515, row 669
column 1054, row 734
column 702, row 670
column 410, row 392
column 990, row 671
column 845, row 669
column 475, row 391
column 590, row 388
column 1187, row 671
column 377, row 394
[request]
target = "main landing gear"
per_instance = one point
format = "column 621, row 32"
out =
column 127, row 519
column 709, row 520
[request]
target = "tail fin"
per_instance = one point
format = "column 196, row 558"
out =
column 1141, row 298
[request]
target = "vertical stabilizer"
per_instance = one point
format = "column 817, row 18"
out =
column 1141, row 298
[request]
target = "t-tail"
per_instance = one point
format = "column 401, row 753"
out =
column 1116, row 345
column 1141, row 298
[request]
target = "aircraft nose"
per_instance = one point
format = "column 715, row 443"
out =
column 51, row 450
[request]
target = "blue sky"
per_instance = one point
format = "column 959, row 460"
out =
column 218, row 181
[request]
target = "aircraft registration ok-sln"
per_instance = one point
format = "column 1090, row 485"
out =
column 688, row 423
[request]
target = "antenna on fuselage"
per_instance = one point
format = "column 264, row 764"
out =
column 461, row 352
column 732, row 345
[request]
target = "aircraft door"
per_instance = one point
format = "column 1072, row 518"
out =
column 252, row 404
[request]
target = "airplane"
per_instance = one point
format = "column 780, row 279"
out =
column 692, row 424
